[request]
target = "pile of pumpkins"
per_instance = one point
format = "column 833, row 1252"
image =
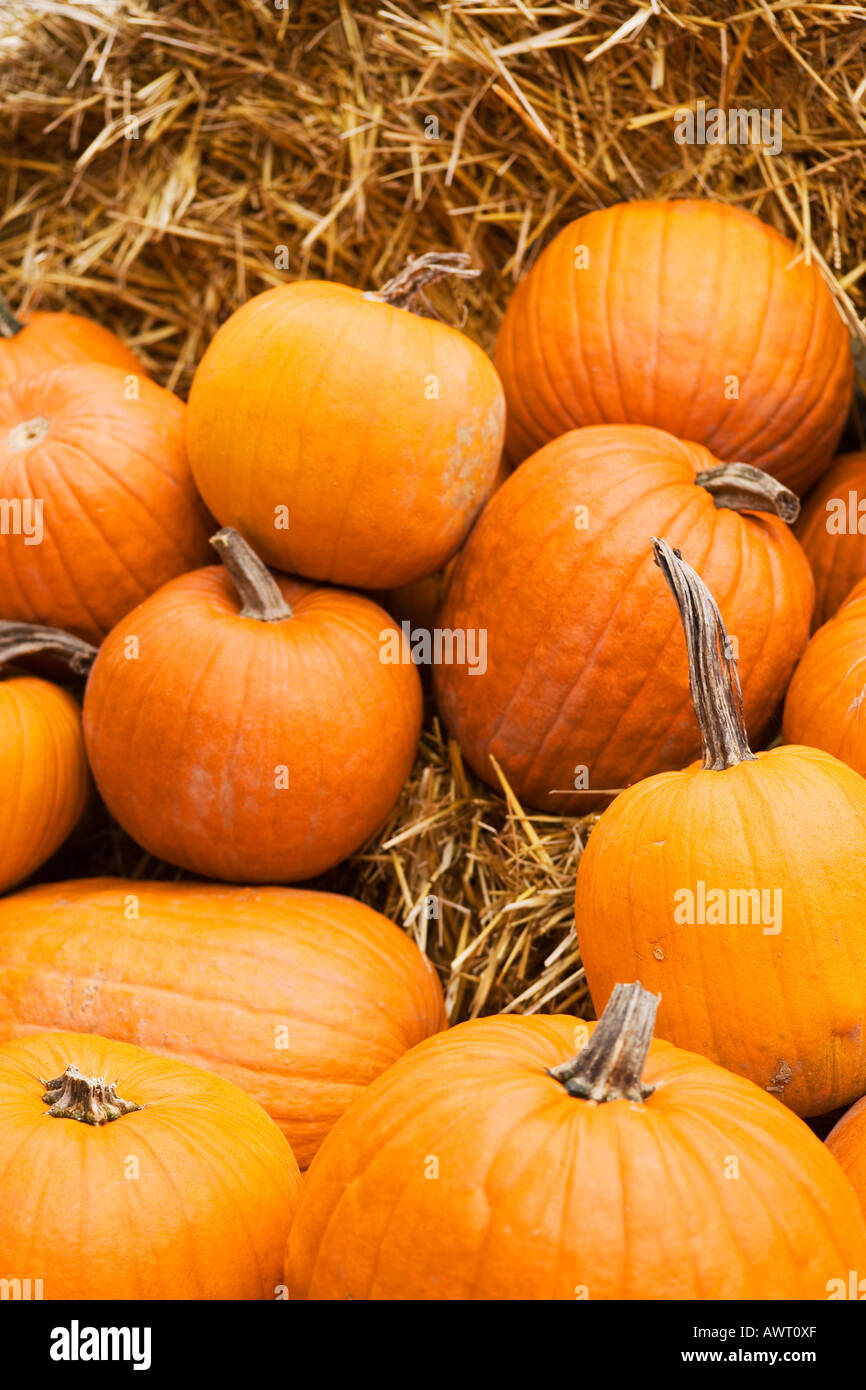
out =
column 614, row 509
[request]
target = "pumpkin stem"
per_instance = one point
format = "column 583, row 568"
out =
column 743, row 488
column 89, row 1099
column 713, row 678
column 259, row 592
column 611, row 1064
column 29, row 639
column 406, row 290
column 9, row 325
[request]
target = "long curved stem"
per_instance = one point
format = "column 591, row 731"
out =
column 258, row 590
column 406, row 289
column 29, row 639
column 743, row 488
column 611, row 1064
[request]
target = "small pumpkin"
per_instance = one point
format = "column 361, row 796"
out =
column 822, row 706
column 128, row 1176
column 299, row 998
column 47, row 339
column 343, row 435
column 847, row 1143
column 637, row 313
column 102, row 504
column 832, row 531
column 734, row 888
column 586, row 685
column 491, row 1163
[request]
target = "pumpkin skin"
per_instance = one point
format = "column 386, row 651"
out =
column 46, row 339
column 208, row 1215
column 207, row 974
column 540, row 1194
column 822, row 706
column 847, row 1143
column 120, row 512
column 585, row 663
column 838, row 558
column 44, row 781
column 655, row 326
column 192, row 744
column 381, row 483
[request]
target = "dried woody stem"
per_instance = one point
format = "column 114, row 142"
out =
column 29, row 639
column 406, row 290
column 611, row 1064
column 743, row 488
column 89, row 1099
column 258, row 590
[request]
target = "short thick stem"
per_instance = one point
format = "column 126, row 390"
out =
column 91, row 1100
column 406, row 290
column 258, row 590
column 9, row 325
column 742, row 488
column 29, row 639
column 610, row 1066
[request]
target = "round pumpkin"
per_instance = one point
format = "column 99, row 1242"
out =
column 102, row 506
column 251, row 728
column 47, row 339
column 585, row 686
column 376, row 433
column 488, row 1163
column 832, row 531
column 693, row 316
column 127, row 1176
column 300, row 998
column 847, row 1143
column 822, row 706
column 735, row 889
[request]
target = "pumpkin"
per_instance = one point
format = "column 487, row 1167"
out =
column 344, row 436
column 832, row 531
column 734, row 888
column 847, row 1143
column 251, row 728
column 299, row 998
column 47, row 339
column 585, row 686
column 128, row 1176
column 101, row 504
column 822, row 706
column 490, row 1163
column 637, row 313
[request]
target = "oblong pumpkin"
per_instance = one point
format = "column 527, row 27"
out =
column 832, row 531
column 377, row 433
column 477, row 1168
column 46, row 339
column 299, row 998
column 847, row 1143
column 735, row 889
column 822, row 706
column 187, row 1195
column 586, row 682
column 692, row 316
column 119, row 511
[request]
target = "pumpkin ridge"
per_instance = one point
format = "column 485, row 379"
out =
column 607, row 317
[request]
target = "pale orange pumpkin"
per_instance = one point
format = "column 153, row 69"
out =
column 44, row 339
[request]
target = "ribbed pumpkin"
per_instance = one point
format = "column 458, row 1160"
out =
column 692, row 316
column 832, row 531
column 108, row 473
column 127, row 1176
column 487, row 1165
column 586, row 686
column 248, row 727
column 346, row 437
column 47, row 339
column 299, row 998
column 822, row 707
column 847, row 1143
column 734, row 888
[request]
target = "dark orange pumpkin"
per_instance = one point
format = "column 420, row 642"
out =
column 823, row 703
column 692, row 316
column 47, row 339
column 586, row 683
column 832, row 531
column 847, row 1143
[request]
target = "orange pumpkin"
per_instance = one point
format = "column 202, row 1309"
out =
column 127, row 1176
column 822, row 707
column 45, row 339
column 637, row 313
column 487, row 1165
column 376, row 433
column 586, row 685
column 734, row 888
column 301, row 999
column 847, row 1143
column 250, row 728
column 832, row 531
column 102, row 506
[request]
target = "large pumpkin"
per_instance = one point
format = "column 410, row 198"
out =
column 847, row 1143
column 101, row 501
column 822, row 706
column 299, row 998
column 735, row 889
column 127, row 1176
column 487, row 1165
column 251, row 728
column 583, row 685
column 346, row 437
column 832, row 531
column 693, row 316
column 48, row 339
